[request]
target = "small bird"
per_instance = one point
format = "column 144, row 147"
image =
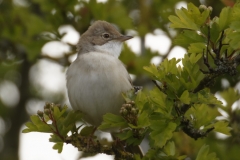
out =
column 97, row 78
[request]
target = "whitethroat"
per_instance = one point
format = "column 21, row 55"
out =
column 97, row 78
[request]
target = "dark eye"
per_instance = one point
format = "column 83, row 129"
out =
column 105, row 35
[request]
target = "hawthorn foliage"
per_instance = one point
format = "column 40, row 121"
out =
column 181, row 101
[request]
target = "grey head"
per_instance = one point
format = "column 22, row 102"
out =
column 101, row 36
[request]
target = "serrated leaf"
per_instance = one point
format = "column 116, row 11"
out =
column 124, row 135
column 201, row 115
column 55, row 138
column 224, row 19
column 151, row 69
column 112, row 121
column 141, row 100
column 129, row 137
column 143, row 120
column 230, row 96
column 158, row 98
column 26, row 130
column 87, row 130
column 187, row 37
column 57, row 113
column 36, row 120
column 234, row 40
column 204, row 154
column 58, row 147
column 44, row 128
column 185, row 97
column 169, row 148
column 182, row 21
column 162, row 132
column 222, row 127
column 31, row 126
column 197, row 48
column 235, row 25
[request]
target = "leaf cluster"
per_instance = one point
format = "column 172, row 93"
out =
column 180, row 102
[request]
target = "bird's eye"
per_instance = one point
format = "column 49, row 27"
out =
column 105, row 35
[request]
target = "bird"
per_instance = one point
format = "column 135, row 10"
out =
column 97, row 78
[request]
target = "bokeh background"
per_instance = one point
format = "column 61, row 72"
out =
column 37, row 44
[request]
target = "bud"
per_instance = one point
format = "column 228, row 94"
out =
column 132, row 102
column 202, row 8
column 47, row 111
column 128, row 106
column 124, row 112
column 51, row 106
column 134, row 111
column 47, row 105
column 40, row 113
column 210, row 9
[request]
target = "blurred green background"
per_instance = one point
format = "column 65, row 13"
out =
column 28, row 25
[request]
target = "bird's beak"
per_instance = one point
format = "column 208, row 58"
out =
column 124, row 38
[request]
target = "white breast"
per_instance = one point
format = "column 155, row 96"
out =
column 95, row 82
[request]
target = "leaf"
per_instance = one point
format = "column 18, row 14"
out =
column 128, row 136
column 201, row 115
column 182, row 21
column 31, row 127
column 197, row 48
column 143, row 120
column 57, row 113
column 222, row 127
column 158, row 98
column 87, row 130
column 111, row 121
column 224, row 19
column 230, row 96
column 187, row 37
column 162, row 132
column 234, row 40
column 55, row 138
column 169, row 148
column 151, row 69
column 204, row 154
column 58, row 146
column 185, row 97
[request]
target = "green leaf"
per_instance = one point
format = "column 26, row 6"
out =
column 151, row 69
column 58, row 146
column 201, row 115
column 182, row 21
column 141, row 100
column 234, row 40
column 222, row 127
column 187, row 37
column 55, row 138
column 57, row 113
column 224, row 18
column 36, row 120
column 31, row 127
column 111, row 121
column 143, row 120
column 162, row 131
column 87, row 130
column 185, row 97
column 204, row 154
column 197, row 48
column 159, row 99
column 128, row 136
column 169, row 148
column 230, row 96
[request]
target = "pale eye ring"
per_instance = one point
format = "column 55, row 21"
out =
column 106, row 36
